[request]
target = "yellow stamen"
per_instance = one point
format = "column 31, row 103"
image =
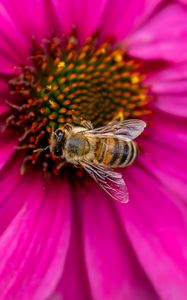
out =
column 135, row 79
column 118, row 57
column 61, row 65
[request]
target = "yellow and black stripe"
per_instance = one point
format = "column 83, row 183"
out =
column 129, row 154
column 114, row 152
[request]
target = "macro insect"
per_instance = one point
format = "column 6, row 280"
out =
column 99, row 150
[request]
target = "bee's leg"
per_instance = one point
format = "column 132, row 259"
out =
column 68, row 126
column 77, row 120
column 86, row 124
column 61, row 164
column 82, row 122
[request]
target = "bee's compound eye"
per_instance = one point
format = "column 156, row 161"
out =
column 59, row 135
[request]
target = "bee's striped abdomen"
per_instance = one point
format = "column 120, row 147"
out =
column 114, row 152
column 129, row 153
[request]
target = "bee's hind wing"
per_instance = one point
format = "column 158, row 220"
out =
column 111, row 182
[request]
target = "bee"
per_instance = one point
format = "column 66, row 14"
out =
column 100, row 150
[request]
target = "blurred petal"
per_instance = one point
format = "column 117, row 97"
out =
column 75, row 269
column 170, row 79
column 20, row 26
column 12, row 185
column 170, row 87
column 108, row 18
column 33, row 248
column 39, row 27
column 173, row 104
column 8, row 143
column 157, row 229
column 121, row 17
column 101, row 259
column 4, row 96
column 14, row 46
column 183, row 1
column 171, row 72
column 84, row 15
column 156, row 40
column 166, row 153
column 149, row 8
column 3, row 108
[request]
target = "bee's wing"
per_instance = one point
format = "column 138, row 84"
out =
column 126, row 130
column 111, row 182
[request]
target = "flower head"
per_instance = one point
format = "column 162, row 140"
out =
column 69, row 81
column 61, row 236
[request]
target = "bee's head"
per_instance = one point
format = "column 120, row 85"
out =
column 57, row 141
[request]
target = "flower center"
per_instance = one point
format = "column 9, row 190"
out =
column 96, row 82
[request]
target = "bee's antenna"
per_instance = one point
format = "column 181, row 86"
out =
column 41, row 149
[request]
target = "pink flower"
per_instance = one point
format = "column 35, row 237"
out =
column 65, row 241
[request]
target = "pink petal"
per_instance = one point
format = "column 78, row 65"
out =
column 3, row 109
column 157, row 230
column 149, row 8
column 34, row 246
column 36, row 21
column 8, row 142
column 4, row 89
column 183, row 1
column 101, row 263
column 14, row 46
column 75, row 269
column 165, row 153
column 18, row 30
column 171, row 79
column 172, row 104
column 171, row 72
column 121, row 17
column 170, row 86
column 164, row 35
column 108, row 18
column 12, row 185
column 84, row 15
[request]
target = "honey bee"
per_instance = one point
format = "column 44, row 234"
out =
column 100, row 150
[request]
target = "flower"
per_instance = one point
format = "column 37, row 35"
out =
column 61, row 241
